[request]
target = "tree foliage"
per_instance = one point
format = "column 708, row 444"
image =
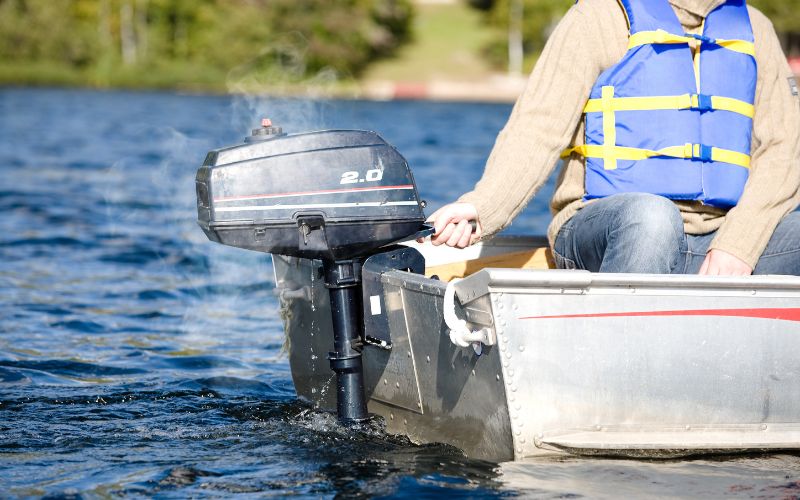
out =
column 294, row 38
column 539, row 18
column 784, row 14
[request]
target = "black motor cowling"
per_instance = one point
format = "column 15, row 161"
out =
column 336, row 195
column 333, row 194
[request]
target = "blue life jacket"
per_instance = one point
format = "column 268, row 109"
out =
column 672, row 121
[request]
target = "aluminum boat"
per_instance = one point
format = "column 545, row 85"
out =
column 560, row 360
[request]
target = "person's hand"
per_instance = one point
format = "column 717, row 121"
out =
column 721, row 263
column 452, row 225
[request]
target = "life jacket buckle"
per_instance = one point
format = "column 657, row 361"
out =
column 702, row 102
column 702, row 38
column 701, row 152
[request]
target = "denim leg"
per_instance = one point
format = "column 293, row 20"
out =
column 782, row 255
column 696, row 250
column 624, row 233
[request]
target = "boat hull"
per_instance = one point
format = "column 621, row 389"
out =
column 633, row 365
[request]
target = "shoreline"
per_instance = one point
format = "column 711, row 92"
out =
column 500, row 89
column 497, row 88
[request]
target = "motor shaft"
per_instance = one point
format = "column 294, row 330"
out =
column 343, row 280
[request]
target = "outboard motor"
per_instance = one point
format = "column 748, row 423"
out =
column 336, row 195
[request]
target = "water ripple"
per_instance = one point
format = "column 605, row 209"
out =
column 80, row 326
column 66, row 368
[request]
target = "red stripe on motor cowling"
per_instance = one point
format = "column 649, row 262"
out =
column 781, row 313
column 306, row 193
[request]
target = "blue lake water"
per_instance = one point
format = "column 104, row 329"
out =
column 139, row 359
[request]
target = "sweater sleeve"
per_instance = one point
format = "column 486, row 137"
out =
column 543, row 121
column 771, row 191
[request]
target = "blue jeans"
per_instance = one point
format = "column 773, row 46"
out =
column 643, row 233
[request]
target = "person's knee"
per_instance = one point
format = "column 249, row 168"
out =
column 649, row 219
column 647, row 236
column 632, row 232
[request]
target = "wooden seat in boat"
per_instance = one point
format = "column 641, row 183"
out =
column 534, row 258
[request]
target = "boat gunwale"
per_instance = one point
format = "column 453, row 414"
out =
column 529, row 279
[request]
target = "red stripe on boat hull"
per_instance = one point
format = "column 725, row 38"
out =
column 780, row 313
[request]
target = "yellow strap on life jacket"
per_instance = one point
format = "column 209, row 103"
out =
column 609, row 127
column 685, row 101
column 661, row 36
column 686, row 151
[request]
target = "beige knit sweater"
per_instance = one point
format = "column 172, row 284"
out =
column 546, row 119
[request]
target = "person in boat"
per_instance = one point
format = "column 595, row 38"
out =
column 679, row 125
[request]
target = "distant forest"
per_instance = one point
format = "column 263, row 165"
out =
column 217, row 44
column 164, row 42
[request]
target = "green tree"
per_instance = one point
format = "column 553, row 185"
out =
column 293, row 39
column 538, row 19
column 137, row 41
column 45, row 30
column 784, row 15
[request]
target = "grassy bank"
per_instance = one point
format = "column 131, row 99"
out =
column 447, row 44
column 175, row 76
